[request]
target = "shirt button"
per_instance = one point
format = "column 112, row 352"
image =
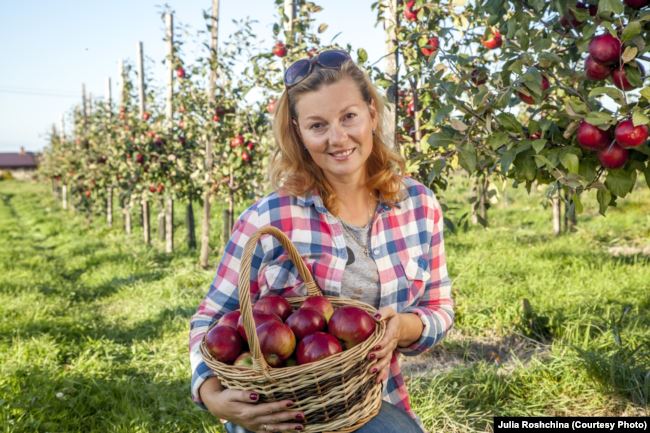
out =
column 375, row 251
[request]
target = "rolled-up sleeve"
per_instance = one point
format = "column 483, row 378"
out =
column 222, row 297
column 436, row 307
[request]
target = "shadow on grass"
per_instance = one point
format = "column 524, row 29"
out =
column 623, row 372
column 121, row 400
column 594, row 257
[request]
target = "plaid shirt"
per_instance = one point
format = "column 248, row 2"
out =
column 406, row 243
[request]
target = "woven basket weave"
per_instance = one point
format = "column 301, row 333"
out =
column 337, row 393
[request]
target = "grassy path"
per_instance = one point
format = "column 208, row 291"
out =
column 93, row 327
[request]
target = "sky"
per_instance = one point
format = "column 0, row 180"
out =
column 51, row 48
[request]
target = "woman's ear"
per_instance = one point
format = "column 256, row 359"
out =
column 374, row 119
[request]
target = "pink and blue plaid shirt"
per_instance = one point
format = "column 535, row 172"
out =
column 406, row 243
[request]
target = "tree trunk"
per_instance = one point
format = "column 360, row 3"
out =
column 556, row 202
column 169, row 225
column 64, row 196
column 480, row 199
column 109, row 207
column 391, row 19
column 191, row 230
column 226, row 226
column 127, row 219
column 570, row 220
column 161, row 220
column 146, row 226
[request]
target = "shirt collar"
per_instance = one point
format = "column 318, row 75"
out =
column 313, row 198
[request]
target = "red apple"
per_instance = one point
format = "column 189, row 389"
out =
column 250, row 145
column 223, row 343
column 237, row 141
column 352, row 325
column 245, row 156
column 613, row 156
column 88, row 193
column 620, row 80
column 160, row 188
column 244, row 360
column 215, row 118
column 629, row 136
column 180, row 72
column 277, row 342
column 637, row 4
column 605, row 49
column 279, row 49
column 317, row 346
column 595, row 70
column 493, row 42
column 230, row 319
column 306, row 321
column 139, row 158
column 431, row 47
column 259, row 319
column 530, row 100
column 273, row 304
column 591, row 137
column 152, row 188
column 320, row 304
column 410, row 108
column 410, row 13
column 146, row 115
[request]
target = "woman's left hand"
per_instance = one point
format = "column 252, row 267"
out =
column 382, row 353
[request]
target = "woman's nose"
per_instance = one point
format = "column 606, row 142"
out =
column 337, row 134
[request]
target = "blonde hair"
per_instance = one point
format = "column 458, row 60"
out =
column 292, row 168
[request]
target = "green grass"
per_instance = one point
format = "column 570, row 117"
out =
column 93, row 326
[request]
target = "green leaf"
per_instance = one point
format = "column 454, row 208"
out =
column 506, row 161
column 441, row 139
column 629, row 54
column 570, row 162
column 362, row 55
column 633, row 75
column 598, row 118
column 639, row 118
column 613, row 6
column 579, row 208
column 645, row 92
column 632, row 29
column 509, row 122
column 498, row 139
column 575, row 107
column 613, row 93
column 620, row 182
column 538, row 145
column 322, row 28
column 467, row 158
column 604, row 198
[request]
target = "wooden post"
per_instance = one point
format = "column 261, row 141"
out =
column 189, row 222
column 212, row 103
column 557, row 213
column 146, row 230
column 391, row 22
column 169, row 203
column 109, row 193
column 64, row 187
column 126, row 204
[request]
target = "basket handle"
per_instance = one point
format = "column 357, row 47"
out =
column 244, row 286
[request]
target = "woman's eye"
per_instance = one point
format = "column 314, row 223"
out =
column 351, row 115
column 315, row 126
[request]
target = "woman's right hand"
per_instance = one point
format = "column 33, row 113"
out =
column 242, row 408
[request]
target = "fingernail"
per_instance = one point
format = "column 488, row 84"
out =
column 254, row 396
column 300, row 417
column 371, row 356
column 298, row 427
column 290, row 404
column 378, row 316
column 378, row 347
column 374, row 370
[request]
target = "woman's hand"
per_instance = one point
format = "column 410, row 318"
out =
column 242, row 408
column 402, row 329
column 382, row 353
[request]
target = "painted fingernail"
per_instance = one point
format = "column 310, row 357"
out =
column 298, row 427
column 377, row 347
column 300, row 417
column 254, row 396
column 374, row 370
column 378, row 316
column 290, row 404
column 371, row 356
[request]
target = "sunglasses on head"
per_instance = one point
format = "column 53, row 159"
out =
column 300, row 69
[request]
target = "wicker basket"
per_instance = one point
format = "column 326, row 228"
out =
column 336, row 394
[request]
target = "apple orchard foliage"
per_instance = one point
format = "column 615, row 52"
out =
column 506, row 91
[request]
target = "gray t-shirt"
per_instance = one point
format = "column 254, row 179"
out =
column 361, row 277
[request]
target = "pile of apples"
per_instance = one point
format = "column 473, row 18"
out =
column 287, row 337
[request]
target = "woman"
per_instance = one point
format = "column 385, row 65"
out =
column 364, row 230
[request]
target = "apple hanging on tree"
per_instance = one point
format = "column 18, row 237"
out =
column 279, row 49
column 431, row 46
column 596, row 71
column 494, row 41
column 629, row 136
column 180, row 72
column 529, row 99
column 613, row 156
column 605, row 49
column 591, row 137
column 410, row 13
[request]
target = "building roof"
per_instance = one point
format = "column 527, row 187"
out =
column 18, row 160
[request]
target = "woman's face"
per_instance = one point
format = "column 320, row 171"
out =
column 336, row 125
